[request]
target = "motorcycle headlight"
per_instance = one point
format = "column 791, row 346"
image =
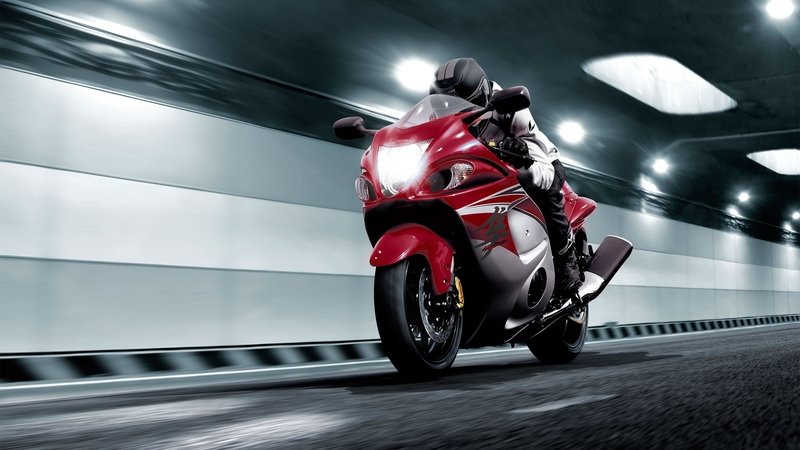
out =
column 459, row 173
column 396, row 165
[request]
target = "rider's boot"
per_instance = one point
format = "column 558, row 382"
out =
column 568, row 275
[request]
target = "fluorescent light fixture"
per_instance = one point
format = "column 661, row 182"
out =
column 733, row 211
column 780, row 9
column 796, row 215
column 660, row 82
column 414, row 74
column 571, row 132
column 743, row 197
column 660, row 166
column 648, row 185
column 785, row 161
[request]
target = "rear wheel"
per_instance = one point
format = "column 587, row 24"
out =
column 420, row 331
column 562, row 341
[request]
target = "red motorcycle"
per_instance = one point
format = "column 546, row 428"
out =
column 461, row 253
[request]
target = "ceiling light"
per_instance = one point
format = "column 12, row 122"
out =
column 743, row 197
column 660, row 166
column 796, row 215
column 660, row 82
column 780, row 9
column 784, row 161
column 648, row 185
column 571, row 132
column 733, row 211
column 414, row 74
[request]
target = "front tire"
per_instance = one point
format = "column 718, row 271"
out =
column 562, row 341
column 420, row 332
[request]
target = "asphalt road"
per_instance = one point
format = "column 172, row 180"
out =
column 727, row 389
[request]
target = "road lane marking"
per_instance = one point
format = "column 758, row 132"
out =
column 552, row 406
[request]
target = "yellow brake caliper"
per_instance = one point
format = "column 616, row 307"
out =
column 460, row 298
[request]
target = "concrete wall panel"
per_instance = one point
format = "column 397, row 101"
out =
column 98, row 132
column 71, row 306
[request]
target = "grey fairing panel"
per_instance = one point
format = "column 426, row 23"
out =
column 510, row 275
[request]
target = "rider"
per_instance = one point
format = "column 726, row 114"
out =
column 542, row 180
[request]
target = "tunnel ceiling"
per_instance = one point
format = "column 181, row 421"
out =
column 345, row 52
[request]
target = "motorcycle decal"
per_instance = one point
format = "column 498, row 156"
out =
column 495, row 227
column 512, row 190
column 496, row 231
column 521, row 202
column 529, row 208
column 493, row 231
column 482, row 209
column 501, row 198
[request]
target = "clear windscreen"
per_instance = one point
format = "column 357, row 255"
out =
column 434, row 107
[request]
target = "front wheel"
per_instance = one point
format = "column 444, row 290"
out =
column 562, row 341
column 420, row 331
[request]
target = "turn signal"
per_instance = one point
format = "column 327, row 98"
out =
column 459, row 173
column 364, row 189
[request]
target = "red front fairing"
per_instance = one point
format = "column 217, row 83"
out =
column 493, row 181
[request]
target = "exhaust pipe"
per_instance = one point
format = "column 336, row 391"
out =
column 609, row 257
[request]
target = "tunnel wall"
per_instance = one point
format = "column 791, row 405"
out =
column 129, row 224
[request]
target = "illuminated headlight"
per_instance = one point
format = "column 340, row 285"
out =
column 396, row 165
column 458, row 174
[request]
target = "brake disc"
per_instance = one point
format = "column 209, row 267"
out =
column 436, row 324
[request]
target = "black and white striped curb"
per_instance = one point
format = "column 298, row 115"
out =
column 614, row 331
column 20, row 368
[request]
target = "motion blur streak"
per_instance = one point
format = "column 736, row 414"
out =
column 262, row 432
column 552, row 406
column 107, row 420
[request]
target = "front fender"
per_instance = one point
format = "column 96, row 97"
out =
column 404, row 241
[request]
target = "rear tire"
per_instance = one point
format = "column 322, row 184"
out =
column 418, row 347
column 562, row 342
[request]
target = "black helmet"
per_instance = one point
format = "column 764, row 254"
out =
column 462, row 77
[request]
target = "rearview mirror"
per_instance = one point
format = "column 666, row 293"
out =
column 350, row 128
column 511, row 100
